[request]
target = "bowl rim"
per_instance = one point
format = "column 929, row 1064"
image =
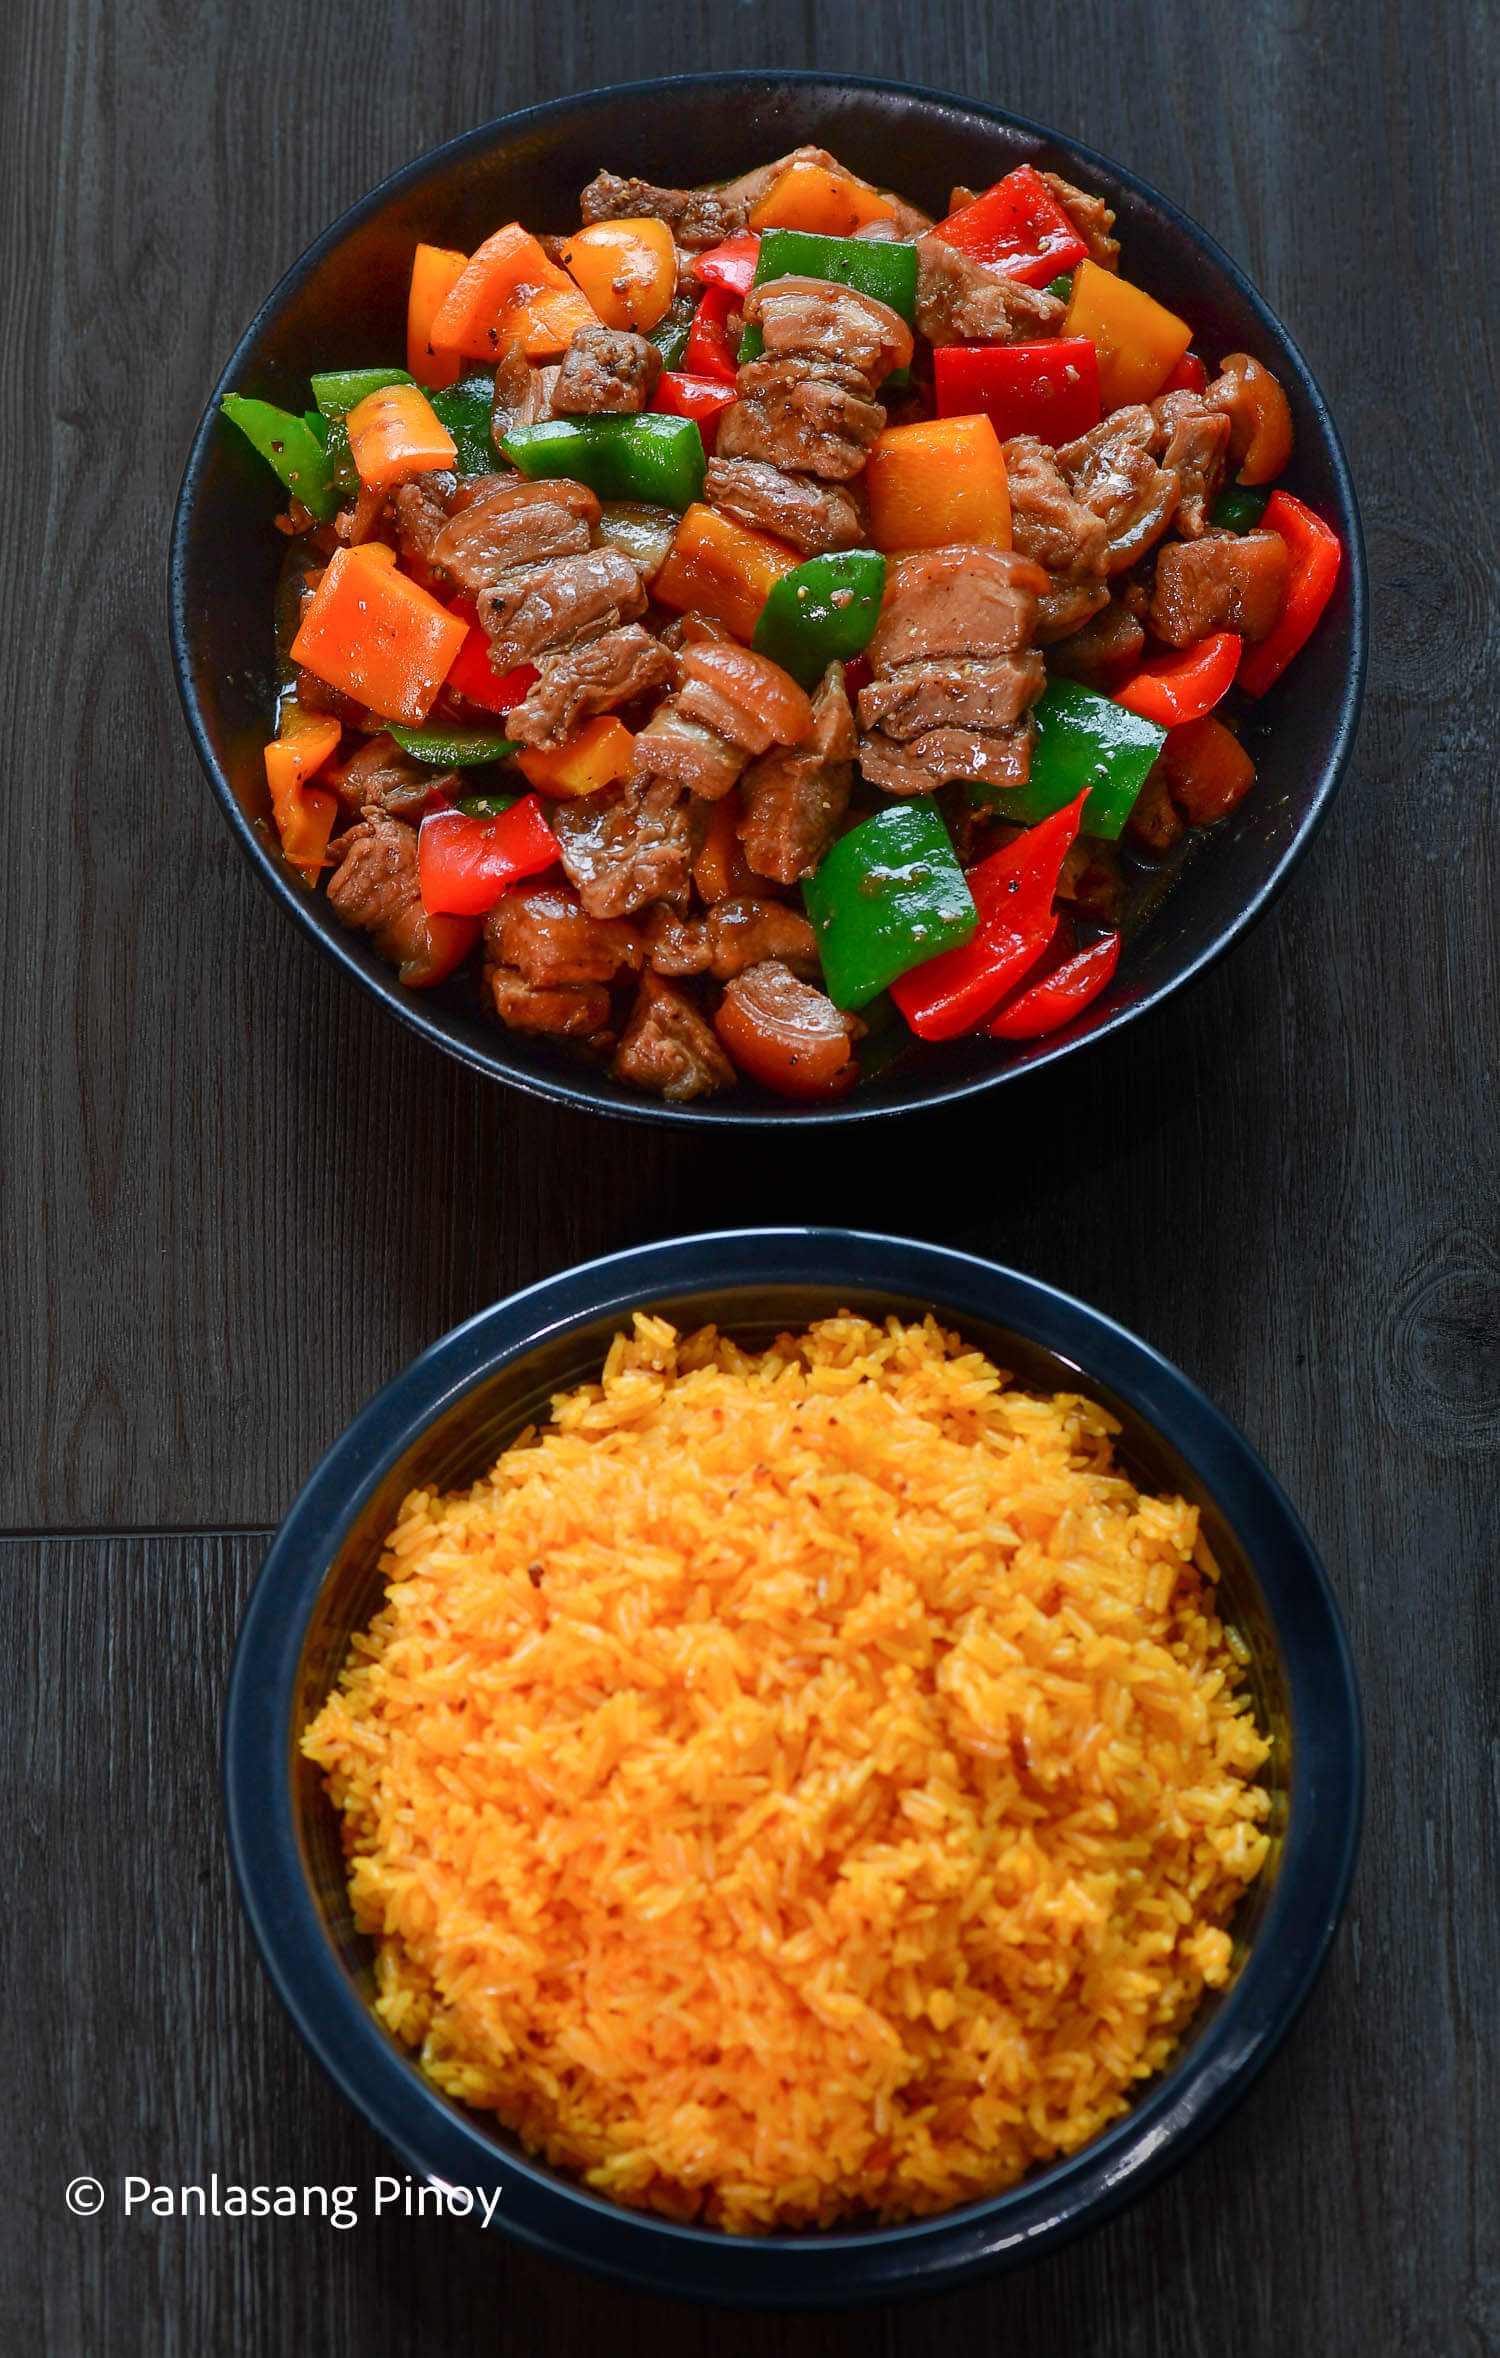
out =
column 561, row 1086
column 819, row 2268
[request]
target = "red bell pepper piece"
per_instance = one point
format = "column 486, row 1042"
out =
column 1050, row 390
column 1189, row 376
column 1018, row 229
column 464, row 864
column 1012, row 892
column 1053, row 999
column 1186, row 684
column 699, row 398
column 730, row 265
column 471, row 673
column 446, row 943
column 1316, row 554
column 857, row 675
column 707, row 353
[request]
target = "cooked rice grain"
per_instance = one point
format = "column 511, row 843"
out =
column 797, row 1784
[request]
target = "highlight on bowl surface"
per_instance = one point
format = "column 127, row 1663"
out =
column 798, row 1785
column 762, row 630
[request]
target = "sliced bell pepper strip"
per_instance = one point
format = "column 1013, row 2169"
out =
column 1184, row 686
column 1207, row 770
column 937, row 482
column 1189, row 376
column 670, row 335
column 1017, row 228
column 678, row 395
column 291, row 448
column 1050, row 390
column 337, row 391
column 830, row 204
column 1239, row 509
column 627, row 269
column 821, row 612
column 721, row 568
column 731, row 264
column 508, row 288
column 888, row 896
column 1047, row 1004
column 1139, row 341
column 465, row 410
column 1314, row 549
column 652, row 458
column 784, row 1034
column 304, row 814
column 471, row 673
column 721, row 869
column 377, row 636
column 453, row 749
column 707, row 351
column 395, row 434
column 601, row 752
column 446, row 943
column 465, row 864
column 1083, row 742
column 435, row 271
column 1013, row 891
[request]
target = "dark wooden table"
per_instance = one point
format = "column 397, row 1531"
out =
column 236, row 1198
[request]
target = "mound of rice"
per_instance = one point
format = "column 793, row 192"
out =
column 799, row 1784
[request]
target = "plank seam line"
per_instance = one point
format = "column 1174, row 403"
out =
column 35, row 1535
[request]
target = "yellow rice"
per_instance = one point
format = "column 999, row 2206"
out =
column 797, row 1785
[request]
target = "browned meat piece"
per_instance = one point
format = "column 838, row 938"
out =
column 1067, row 608
column 1091, row 217
column 1001, row 759
column 742, row 932
column 815, row 320
column 420, row 513
column 574, row 1011
column 592, row 678
column 668, row 1048
column 958, row 301
column 1090, row 880
column 695, row 757
column 1111, row 471
column 1155, row 821
column 814, row 517
column 381, row 777
column 523, row 394
column 1047, row 522
column 697, row 217
column 374, row 889
column 1192, row 441
column 957, row 694
column 540, row 612
column 1259, row 414
column 315, row 695
column 696, row 630
column 512, row 524
column 959, row 197
column 676, row 944
column 792, row 800
column 542, row 931
column 803, row 422
column 1104, row 650
column 743, row 696
column 1226, row 581
column 624, row 850
column 605, row 372
column 958, row 601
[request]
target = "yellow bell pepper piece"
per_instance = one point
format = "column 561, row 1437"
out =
column 599, row 754
column 940, row 481
column 1139, row 342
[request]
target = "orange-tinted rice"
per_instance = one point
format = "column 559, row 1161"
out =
column 797, row 1784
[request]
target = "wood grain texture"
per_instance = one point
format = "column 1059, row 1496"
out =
column 1348, row 2209
column 234, row 1199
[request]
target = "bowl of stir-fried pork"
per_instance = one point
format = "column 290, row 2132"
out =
column 768, row 598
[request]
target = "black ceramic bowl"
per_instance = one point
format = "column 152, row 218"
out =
column 443, row 1422
column 344, row 304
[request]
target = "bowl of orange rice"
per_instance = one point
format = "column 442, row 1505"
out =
column 792, row 1767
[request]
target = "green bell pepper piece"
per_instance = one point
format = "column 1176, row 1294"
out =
column 876, row 266
column 1082, row 740
column 1240, row 508
column 821, row 612
column 887, row 896
column 487, row 806
column 338, row 390
column 454, row 749
column 1062, row 287
column 670, row 334
column 465, row 410
column 651, row 458
column 291, row 448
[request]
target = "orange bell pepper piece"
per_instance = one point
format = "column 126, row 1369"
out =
column 1207, row 769
column 508, row 288
column 627, row 269
column 435, row 271
column 715, row 567
column 395, row 433
column 1139, row 342
column 601, row 752
column 830, row 204
column 304, row 814
column 938, row 482
column 373, row 634
column 1316, row 553
column 721, row 868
